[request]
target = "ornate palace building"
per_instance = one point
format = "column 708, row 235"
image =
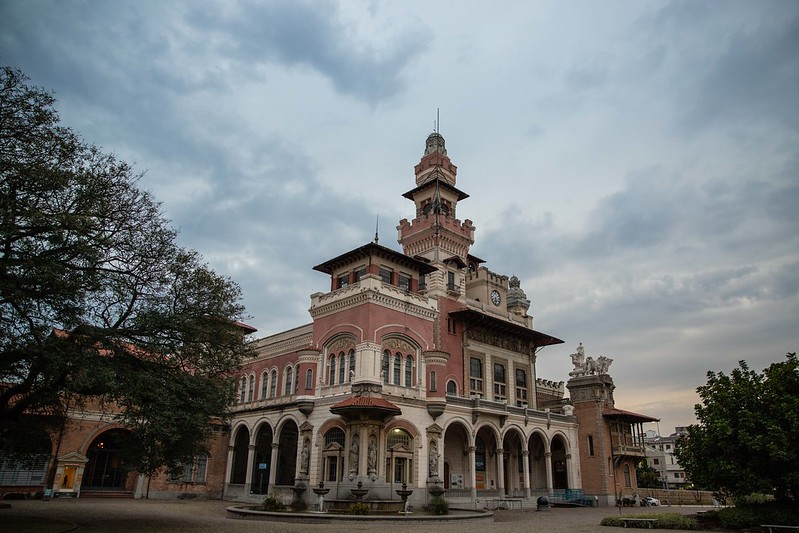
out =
column 418, row 369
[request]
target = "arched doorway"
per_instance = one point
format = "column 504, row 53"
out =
column 560, row 475
column 514, row 464
column 485, row 461
column 457, row 470
column 538, row 464
column 238, row 468
column 287, row 454
column 263, row 460
column 106, row 469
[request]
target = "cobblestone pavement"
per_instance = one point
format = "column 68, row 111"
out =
column 138, row 516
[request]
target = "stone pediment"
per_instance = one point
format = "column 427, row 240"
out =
column 434, row 429
column 73, row 457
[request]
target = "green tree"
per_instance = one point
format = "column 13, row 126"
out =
column 646, row 476
column 747, row 438
column 97, row 301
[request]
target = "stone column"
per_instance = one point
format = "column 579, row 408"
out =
column 472, row 473
column 229, row 467
column 250, row 461
column 501, row 472
column 550, row 488
column 273, row 466
column 526, row 466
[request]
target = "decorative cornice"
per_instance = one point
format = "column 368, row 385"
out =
column 386, row 296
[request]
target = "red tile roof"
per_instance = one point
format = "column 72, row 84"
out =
column 366, row 402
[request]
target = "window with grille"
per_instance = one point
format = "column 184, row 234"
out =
column 397, row 368
column 386, row 274
column 500, row 383
column 476, row 376
column 521, row 388
column 289, row 381
column 452, row 388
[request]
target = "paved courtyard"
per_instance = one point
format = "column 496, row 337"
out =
column 137, row 516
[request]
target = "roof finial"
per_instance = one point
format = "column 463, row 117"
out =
column 377, row 227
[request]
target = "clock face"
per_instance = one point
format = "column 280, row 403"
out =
column 495, row 298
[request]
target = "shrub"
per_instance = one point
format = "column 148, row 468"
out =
column 358, row 508
column 438, row 506
column 747, row 516
column 273, row 503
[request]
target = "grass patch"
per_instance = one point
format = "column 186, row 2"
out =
column 664, row 521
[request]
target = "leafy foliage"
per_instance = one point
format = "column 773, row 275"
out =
column 747, row 438
column 273, row 503
column 97, row 301
column 438, row 506
column 358, row 508
column 646, row 476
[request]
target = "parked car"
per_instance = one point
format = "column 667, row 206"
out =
column 649, row 501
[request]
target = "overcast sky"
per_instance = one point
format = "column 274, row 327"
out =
column 635, row 164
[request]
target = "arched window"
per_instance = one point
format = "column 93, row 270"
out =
column 384, row 365
column 332, row 380
column 264, row 384
column 273, row 384
column 297, row 378
column 397, row 367
column 627, row 477
column 408, row 371
column 309, row 379
column 332, row 454
column 334, row 435
column 352, row 365
column 342, row 368
column 432, row 380
column 452, row 388
column 243, row 389
column 251, row 389
column 399, row 456
column 289, row 381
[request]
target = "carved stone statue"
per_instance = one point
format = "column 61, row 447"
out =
column 588, row 366
column 578, row 360
column 305, row 458
column 603, row 363
column 354, row 452
column 372, row 455
column 432, row 460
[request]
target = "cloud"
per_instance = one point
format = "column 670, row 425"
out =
column 314, row 35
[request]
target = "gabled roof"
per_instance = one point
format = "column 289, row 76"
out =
column 627, row 416
column 489, row 321
column 373, row 249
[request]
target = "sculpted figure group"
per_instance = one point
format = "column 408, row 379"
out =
column 588, row 366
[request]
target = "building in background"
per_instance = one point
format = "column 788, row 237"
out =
column 660, row 456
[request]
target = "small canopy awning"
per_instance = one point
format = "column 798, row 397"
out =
column 369, row 406
column 627, row 416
